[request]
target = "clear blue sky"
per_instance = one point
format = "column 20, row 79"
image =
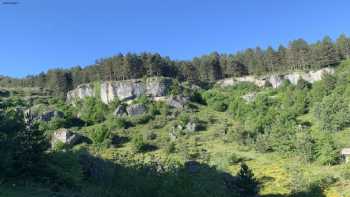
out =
column 40, row 34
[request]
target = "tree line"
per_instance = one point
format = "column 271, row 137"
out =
column 298, row 55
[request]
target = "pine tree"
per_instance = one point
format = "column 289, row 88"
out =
column 31, row 144
column 328, row 54
column 247, row 184
column 343, row 46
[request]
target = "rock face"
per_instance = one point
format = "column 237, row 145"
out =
column 82, row 91
column 137, row 109
column 123, row 90
column 65, row 136
column 276, row 80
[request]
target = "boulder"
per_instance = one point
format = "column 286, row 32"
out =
column 136, row 109
column 177, row 102
column 65, row 136
column 192, row 127
column 120, row 111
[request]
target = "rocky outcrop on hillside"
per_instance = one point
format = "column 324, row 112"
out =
column 276, row 80
column 82, row 91
column 123, row 90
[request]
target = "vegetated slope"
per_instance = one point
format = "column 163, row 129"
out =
column 289, row 136
column 298, row 55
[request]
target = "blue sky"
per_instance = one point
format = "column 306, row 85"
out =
column 36, row 35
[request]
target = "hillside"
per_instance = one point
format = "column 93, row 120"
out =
column 160, row 137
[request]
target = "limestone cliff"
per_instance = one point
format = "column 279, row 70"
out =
column 276, row 80
column 123, row 90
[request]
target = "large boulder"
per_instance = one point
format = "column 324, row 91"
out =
column 177, row 102
column 65, row 136
column 136, row 109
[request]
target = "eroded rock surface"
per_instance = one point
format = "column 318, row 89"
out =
column 276, row 80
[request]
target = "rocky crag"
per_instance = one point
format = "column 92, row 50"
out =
column 123, row 90
column 276, row 80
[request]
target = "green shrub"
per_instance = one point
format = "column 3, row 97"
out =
column 150, row 135
column 170, row 148
column 219, row 106
column 100, row 135
column 139, row 143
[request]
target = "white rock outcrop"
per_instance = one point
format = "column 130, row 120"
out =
column 123, row 90
column 82, row 91
column 276, row 80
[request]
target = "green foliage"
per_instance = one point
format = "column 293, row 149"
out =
column 139, row 144
column 93, row 110
column 333, row 112
column 170, row 148
column 246, row 182
column 327, row 150
column 216, row 100
column 30, row 146
column 100, row 135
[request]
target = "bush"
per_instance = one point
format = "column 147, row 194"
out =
column 100, row 135
column 150, row 135
column 93, row 110
column 333, row 113
column 233, row 158
column 139, row 143
column 117, row 123
column 171, row 148
column 327, row 150
column 219, row 106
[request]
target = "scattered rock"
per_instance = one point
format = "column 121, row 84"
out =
column 177, row 102
column 192, row 127
column 136, row 109
column 172, row 135
column 120, row 111
column 65, row 136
